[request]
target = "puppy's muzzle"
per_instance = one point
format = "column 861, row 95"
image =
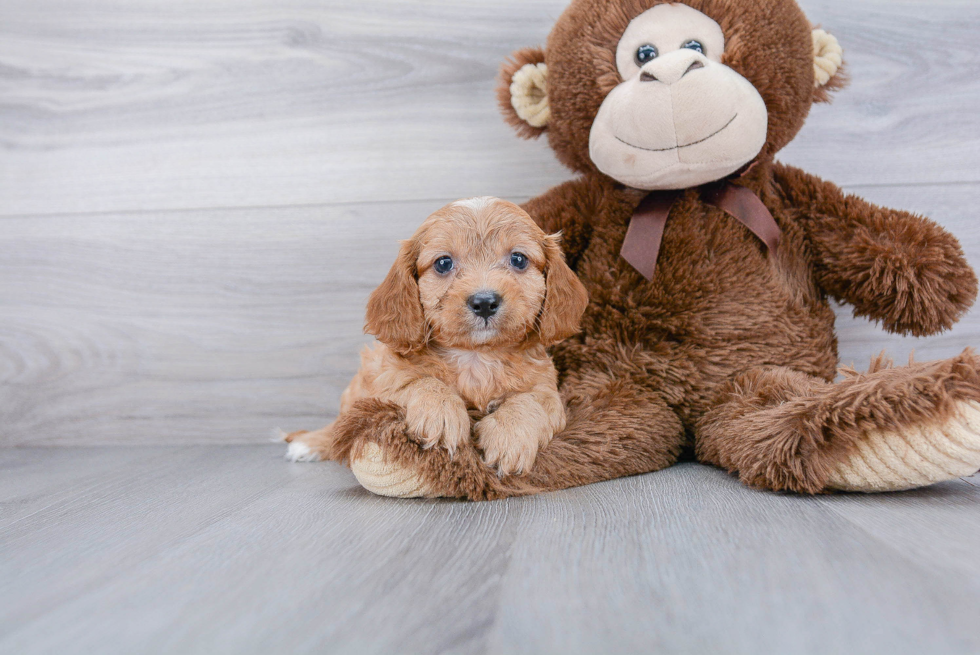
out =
column 484, row 304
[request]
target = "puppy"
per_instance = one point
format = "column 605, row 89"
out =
column 462, row 320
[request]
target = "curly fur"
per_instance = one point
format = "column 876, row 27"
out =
column 443, row 365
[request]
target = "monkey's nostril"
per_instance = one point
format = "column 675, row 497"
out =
column 484, row 304
column 693, row 67
column 647, row 77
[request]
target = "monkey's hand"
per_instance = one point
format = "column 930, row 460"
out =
column 901, row 269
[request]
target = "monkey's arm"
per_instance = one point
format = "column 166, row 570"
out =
column 568, row 208
column 893, row 266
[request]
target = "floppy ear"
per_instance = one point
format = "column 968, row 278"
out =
column 828, row 64
column 394, row 310
column 523, row 92
column 565, row 297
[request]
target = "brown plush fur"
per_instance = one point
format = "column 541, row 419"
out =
column 729, row 349
column 797, row 428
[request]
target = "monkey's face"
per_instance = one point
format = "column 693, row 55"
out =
column 680, row 118
column 666, row 94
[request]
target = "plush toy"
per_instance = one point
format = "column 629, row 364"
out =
column 709, row 268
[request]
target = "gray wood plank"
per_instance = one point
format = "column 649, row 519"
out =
column 196, row 326
column 689, row 561
column 135, row 510
column 924, row 526
column 152, row 105
column 30, row 484
column 216, row 326
column 318, row 563
column 271, row 556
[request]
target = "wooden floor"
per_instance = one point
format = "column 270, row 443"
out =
column 227, row 549
column 195, row 201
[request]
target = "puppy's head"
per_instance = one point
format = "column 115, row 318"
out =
column 477, row 273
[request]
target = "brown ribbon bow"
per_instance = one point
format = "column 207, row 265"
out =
column 641, row 248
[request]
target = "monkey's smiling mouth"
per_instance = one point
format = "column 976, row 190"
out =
column 686, row 145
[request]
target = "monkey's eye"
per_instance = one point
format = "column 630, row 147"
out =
column 518, row 260
column 646, row 53
column 443, row 265
column 694, row 45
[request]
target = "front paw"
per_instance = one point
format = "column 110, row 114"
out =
column 511, row 436
column 434, row 418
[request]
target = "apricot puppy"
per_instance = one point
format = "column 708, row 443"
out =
column 463, row 320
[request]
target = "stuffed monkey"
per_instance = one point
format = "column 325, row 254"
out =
column 709, row 268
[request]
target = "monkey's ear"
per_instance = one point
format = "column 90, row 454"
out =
column 522, row 92
column 394, row 310
column 828, row 63
column 565, row 297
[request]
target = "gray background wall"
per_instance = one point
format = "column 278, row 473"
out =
column 197, row 198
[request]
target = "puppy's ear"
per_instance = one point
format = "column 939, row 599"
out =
column 522, row 92
column 394, row 310
column 565, row 297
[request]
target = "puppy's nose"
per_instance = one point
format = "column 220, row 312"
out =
column 484, row 304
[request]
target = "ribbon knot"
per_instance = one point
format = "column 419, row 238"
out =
column 641, row 247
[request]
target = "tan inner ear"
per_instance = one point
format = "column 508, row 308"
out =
column 529, row 94
column 828, row 55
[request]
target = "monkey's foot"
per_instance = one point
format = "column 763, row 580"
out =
column 374, row 441
column 914, row 457
column 387, row 478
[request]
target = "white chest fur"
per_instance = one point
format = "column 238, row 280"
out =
column 476, row 370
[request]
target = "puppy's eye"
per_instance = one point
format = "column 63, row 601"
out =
column 646, row 53
column 519, row 260
column 443, row 265
column 694, row 45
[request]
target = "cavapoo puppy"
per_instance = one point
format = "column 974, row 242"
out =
column 462, row 320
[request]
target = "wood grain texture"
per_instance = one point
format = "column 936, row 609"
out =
column 155, row 105
column 233, row 550
column 191, row 326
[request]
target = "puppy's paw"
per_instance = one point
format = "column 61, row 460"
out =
column 511, row 436
column 438, row 417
